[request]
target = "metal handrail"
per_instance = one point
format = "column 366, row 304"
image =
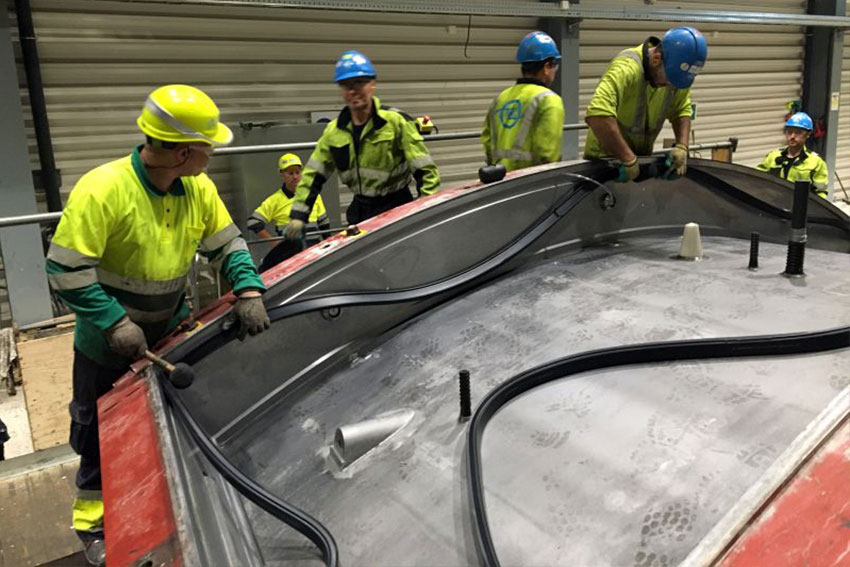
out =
column 42, row 218
column 47, row 218
column 467, row 135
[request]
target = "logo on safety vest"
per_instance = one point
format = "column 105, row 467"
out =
column 510, row 114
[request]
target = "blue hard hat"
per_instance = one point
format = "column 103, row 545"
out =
column 537, row 46
column 684, row 51
column 801, row 120
column 353, row 64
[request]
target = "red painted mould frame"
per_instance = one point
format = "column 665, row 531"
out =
column 809, row 522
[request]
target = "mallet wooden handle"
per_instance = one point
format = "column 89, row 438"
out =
column 159, row 361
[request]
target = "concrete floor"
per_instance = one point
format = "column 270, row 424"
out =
column 36, row 494
column 13, row 412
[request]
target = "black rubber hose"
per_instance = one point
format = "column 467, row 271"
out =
column 299, row 520
column 766, row 345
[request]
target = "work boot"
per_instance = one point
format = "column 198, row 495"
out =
column 95, row 551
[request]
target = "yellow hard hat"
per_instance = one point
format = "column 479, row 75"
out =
column 180, row 113
column 288, row 160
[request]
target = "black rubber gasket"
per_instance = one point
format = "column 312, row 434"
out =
column 715, row 183
column 647, row 353
column 299, row 520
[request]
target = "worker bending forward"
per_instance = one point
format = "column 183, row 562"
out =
column 643, row 87
column 120, row 258
column 374, row 150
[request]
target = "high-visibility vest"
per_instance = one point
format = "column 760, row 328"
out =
column 389, row 153
column 276, row 209
column 625, row 93
column 123, row 246
column 524, row 126
column 808, row 166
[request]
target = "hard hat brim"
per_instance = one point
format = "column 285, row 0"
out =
column 222, row 137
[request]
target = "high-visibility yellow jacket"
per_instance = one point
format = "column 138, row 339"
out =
column 390, row 150
column 626, row 93
column 524, row 126
column 276, row 208
column 808, row 166
column 125, row 247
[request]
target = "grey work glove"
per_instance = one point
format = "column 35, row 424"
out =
column 677, row 162
column 252, row 316
column 628, row 171
column 294, row 229
column 127, row 339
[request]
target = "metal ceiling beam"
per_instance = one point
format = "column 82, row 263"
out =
column 540, row 10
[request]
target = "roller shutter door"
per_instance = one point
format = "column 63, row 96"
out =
column 100, row 59
column 843, row 153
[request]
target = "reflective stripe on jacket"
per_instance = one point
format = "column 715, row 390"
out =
column 625, row 93
column 276, row 209
column 124, row 247
column 390, row 151
column 524, row 126
column 808, row 166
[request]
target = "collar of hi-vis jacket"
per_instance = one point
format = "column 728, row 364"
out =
column 289, row 194
column 531, row 81
column 344, row 118
column 651, row 41
column 141, row 171
column 783, row 156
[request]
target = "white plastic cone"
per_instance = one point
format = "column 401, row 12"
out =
column 691, row 243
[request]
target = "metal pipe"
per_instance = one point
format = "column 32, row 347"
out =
column 41, row 218
column 306, row 235
column 54, row 217
column 38, row 107
column 467, row 135
column 696, row 147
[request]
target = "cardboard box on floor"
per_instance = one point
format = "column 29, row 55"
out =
column 46, row 365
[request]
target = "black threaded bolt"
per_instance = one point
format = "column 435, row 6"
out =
column 797, row 238
column 465, row 396
column 794, row 260
column 754, row 251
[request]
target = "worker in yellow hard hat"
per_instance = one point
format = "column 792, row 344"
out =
column 120, row 259
column 276, row 208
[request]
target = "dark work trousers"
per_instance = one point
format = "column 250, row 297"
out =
column 362, row 208
column 91, row 381
column 4, row 436
column 284, row 250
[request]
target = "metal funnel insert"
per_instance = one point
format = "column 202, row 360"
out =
column 354, row 440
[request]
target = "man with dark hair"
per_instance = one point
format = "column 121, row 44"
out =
column 525, row 122
column 794, row 162
column 643, row 87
